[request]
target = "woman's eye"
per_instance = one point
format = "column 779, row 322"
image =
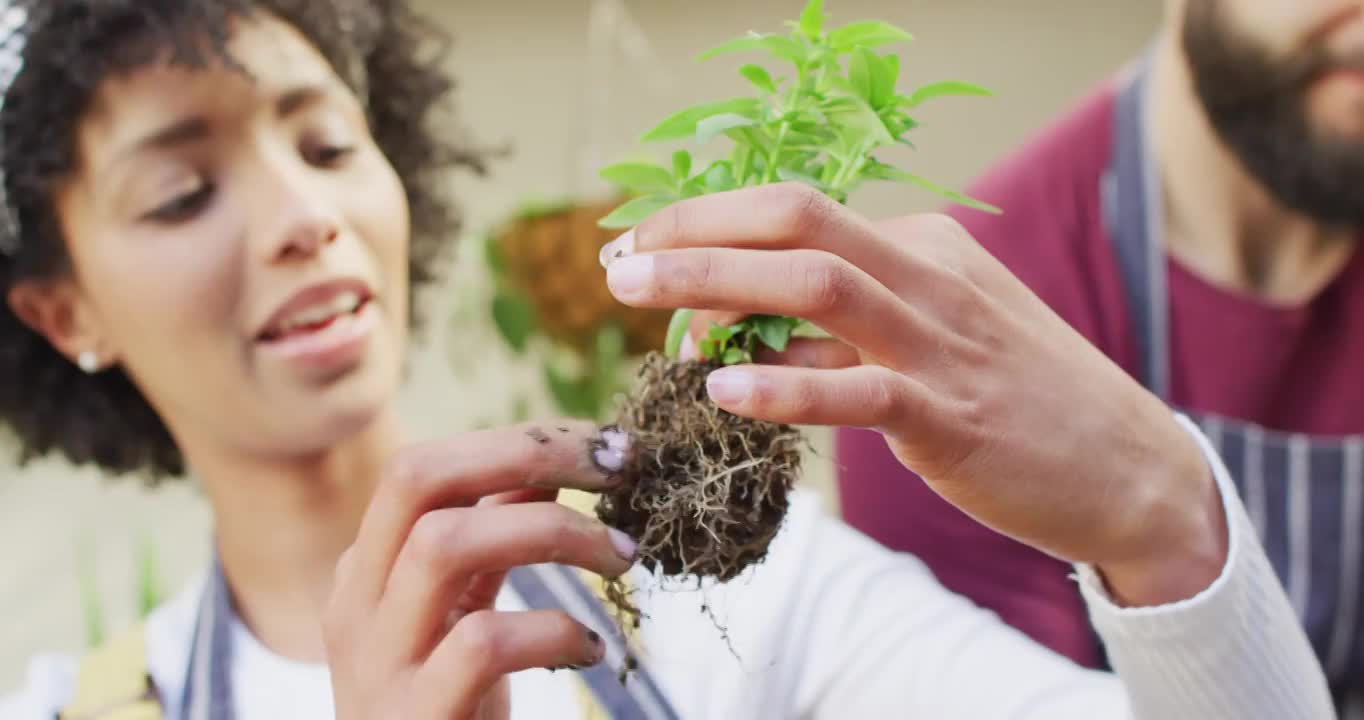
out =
column 327, row 155
column 184, row 207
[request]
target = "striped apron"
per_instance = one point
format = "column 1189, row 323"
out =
column 208, row 679
column 1304, row 493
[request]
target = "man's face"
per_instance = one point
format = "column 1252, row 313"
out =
column 1282, row 82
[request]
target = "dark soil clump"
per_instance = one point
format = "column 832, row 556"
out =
column 704, row 492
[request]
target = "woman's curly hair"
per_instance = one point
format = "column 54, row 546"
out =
column 72, row 46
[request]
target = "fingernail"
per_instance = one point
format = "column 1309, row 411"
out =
column 616, row 438
column 609, row 460
column 729, row 386
column 625, row 546
column 618, row 248
column 609, row 450
column 688, row 350
column 629, row 277
column 596, row 647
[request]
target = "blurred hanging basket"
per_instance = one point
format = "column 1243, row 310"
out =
column 550, row 289
column 548, row 254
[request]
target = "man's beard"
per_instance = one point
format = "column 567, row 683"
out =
column 1257, row 104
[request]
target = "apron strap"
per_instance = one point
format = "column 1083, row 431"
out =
column 1134, row 218
column 555, row 587
column 208, row 686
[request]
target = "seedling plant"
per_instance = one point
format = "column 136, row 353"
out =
column 706, row 491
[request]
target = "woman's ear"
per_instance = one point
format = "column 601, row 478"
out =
column 59, row 311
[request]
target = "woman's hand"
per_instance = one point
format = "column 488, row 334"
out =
column 410, row 627
column 979, row 388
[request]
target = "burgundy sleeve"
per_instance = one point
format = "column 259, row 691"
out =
column 1051, row 236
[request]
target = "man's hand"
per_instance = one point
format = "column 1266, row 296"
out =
column 979, row 388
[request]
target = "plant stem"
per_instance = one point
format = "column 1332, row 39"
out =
column 792, row 95
column 847, row 173
column 770, row 174
column 742, row 163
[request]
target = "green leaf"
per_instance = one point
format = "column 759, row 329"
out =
column 707, row 129
column 682, row 124
column 707, row 348
column 812, row 19
column 634, row 212
column 944, row 89
column 492, row 253
column 681, row 165
column 573, row 398
column 735, row 356
column 779, row 46
column 514, row 317
column 860, row 73
column 774, row 331
column 642, row 178
column 886, row 172
column 885, row 74
column 760, row 78
column 722, row 334
column 748, row 43
column 854, row 119
column 751, row 137
column 677, row 331
column 719, row 177
column 868, row 34
column 897, row 122
column 809, row 330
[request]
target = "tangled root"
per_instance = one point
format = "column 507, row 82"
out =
column 704, row 492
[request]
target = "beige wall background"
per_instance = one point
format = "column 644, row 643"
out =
column 525, row 78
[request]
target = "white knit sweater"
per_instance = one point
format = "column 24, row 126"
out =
column 834, row 626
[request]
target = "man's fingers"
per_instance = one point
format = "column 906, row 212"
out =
column 816, row 286
column 486, row 646
column 781, row 216
column 449, row 551
column 462, row 471
column 866, row 396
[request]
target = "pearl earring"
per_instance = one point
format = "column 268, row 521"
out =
column 88, row 362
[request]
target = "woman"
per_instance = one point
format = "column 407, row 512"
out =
column 217, row 212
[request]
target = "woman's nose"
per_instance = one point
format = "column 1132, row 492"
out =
column 304, row 222
column 306, row 236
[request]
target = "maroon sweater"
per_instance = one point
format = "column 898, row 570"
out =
column 1292, row 368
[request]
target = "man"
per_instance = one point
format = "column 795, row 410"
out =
column 1199, row 220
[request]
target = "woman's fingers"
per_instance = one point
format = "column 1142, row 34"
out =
column 866, row 396
column 449, row 550
column 485, row 646
column 462, row 471
column 484, row 589
column 817, row 286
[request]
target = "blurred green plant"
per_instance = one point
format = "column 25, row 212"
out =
column 148, row 588
column 584, row 354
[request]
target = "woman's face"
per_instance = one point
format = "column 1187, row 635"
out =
column 240, row 248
